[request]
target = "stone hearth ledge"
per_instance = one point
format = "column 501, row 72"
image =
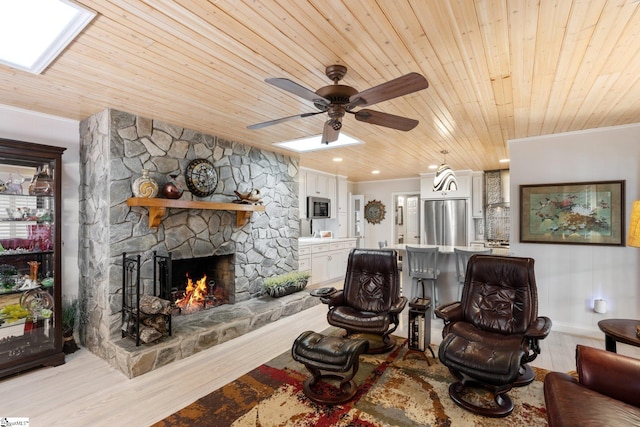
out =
column 200, row 331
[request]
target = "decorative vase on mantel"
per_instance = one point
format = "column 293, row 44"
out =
column 172, row 189
column 145, row 186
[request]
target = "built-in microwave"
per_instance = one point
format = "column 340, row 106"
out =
column 318, row 207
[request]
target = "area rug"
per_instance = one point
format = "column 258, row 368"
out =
column 392, row 391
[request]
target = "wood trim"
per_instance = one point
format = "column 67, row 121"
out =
column 158, row 207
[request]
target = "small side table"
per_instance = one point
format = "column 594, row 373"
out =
column 323, row 292
column 419, row 339
column 620, row 330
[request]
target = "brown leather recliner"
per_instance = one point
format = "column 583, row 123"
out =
column 493, row 333
column 370, row 301
column 606, row 393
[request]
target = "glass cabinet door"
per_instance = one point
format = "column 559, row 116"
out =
column 30, row 294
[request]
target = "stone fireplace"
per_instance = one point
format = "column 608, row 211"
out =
column 115, row 148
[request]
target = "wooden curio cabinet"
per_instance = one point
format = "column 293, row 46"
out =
column 30, row 249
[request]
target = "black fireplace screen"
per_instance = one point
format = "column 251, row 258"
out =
column 196, row 283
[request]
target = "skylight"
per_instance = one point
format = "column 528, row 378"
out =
column 313, row 143
column 34, row 32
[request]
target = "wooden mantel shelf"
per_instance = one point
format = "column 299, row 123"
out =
column 158, row 207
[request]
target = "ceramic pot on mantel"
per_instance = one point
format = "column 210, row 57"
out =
column 172, row 189
column 145, row 186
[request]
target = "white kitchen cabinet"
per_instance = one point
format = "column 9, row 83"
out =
column 477, row 195
column 320, row 258
column 464, row 186
column 320, row 185
column 343, row 225
column 331, row 183
column 343, row 196
column 304, row 259
column 329, row 260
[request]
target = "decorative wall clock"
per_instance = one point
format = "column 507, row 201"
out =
column 374, row 211
column 201, row 177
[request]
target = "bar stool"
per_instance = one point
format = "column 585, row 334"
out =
column 423, row 267
column 462, row 259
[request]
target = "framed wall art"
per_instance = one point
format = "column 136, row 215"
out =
column 583, row 213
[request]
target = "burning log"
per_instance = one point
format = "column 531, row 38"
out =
column 197, row 295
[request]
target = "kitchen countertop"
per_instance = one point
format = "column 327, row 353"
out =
column 449, row 249
column 315, row 240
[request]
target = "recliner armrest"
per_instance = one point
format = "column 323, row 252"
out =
column 451, row 312
column 539, row 329
column 334, row 299
column 399, row 305
column 608, row 373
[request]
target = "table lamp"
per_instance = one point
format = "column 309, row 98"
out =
column 633, row 238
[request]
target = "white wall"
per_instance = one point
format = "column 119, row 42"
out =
column 570, row 277
column 383, row 191
column 24, row 125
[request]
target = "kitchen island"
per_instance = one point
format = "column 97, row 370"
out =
column 447, row 282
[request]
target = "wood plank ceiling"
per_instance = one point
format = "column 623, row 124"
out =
column 498, row 69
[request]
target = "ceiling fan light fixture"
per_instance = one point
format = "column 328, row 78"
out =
column 445, row 179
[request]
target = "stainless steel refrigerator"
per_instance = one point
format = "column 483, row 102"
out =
column 445, row 223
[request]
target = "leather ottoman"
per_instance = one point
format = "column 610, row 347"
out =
column 336, row 355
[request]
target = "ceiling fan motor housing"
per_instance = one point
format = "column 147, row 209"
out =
column 337, row 94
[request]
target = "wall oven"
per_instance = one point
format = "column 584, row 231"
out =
column 318, row 207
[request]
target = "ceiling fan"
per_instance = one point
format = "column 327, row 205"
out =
column 336, row 100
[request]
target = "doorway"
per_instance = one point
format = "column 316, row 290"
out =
column 406, row 227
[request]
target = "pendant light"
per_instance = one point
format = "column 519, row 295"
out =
column 445, row 179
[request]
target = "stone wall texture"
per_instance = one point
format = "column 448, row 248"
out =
column 115, row 148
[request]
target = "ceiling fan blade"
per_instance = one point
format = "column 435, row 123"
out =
column 282, row 120
column 331, row 130
column 386, row 119
column 401, row 86
column 298, row 90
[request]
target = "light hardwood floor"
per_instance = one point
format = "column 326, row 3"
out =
column 86, row 391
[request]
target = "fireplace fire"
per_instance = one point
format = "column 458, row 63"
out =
column 198, row 295
column 195, row 284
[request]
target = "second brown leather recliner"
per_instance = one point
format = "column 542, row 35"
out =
column 492, row 334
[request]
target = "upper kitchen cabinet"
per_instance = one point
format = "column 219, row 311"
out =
column 30, row 245
column 464, row 186
column 319, row 185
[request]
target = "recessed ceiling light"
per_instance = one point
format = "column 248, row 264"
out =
column 38, row 30
column 433, row 166
column 314, row 143
column 337, row 159
column 504, row 160
column 375, row 172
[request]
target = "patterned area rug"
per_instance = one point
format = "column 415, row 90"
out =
column 392, row 391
